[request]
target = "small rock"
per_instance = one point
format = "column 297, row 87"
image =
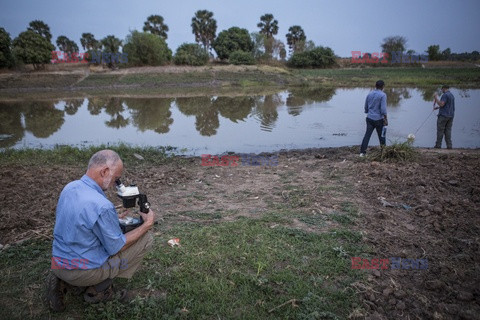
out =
column 424, row 213
column 5, row 247
column 453, row 182
column 465, row 296
column 376, row 316
column 438, row 316
column 139, row 157
column 400, row 294
column 376, row 273
column 409, row 227
column 371, row 297
column 1, row 246
column 437, row 209
column 392, row 301
column 401, row 305
column 451, row 309
column 387, row 292
column 434, row 284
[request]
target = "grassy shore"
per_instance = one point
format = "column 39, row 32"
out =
column 216, row 78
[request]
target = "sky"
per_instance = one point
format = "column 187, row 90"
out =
column 343, row 25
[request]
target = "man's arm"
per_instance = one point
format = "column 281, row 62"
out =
column 440, row 102
column 137, row 233
column 383, row 110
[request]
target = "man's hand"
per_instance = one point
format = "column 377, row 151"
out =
column 122, row 213
column 385, row 121
column 148, row 218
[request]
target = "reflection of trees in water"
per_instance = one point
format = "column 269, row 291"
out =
column 151, row 113
column 114, row 108
column 42, row 119
column 234, row 108
column 427, row 93
column 72, row 106
column 192, row 106
column 395, row 95
column 206, row 114
column 96, row 104
column 299, row 97
column 11, row 129
column 266, row 110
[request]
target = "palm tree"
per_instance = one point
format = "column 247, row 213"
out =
column 89, row 42
column 155, row 25
column 204, row 28
column 296, row 38
column 268, row 27
column 41, row 28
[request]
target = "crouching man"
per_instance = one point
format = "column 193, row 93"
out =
column 89, row 248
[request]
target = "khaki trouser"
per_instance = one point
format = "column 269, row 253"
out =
column 122, row 265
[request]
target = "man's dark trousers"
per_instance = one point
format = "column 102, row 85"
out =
column 371, row 125
column 444, row 126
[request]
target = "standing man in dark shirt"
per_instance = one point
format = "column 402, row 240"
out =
column 446, row 104
column 376, row 110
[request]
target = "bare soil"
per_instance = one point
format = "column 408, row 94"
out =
column 443, row 225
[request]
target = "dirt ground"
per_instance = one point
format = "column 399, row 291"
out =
column 433, row 215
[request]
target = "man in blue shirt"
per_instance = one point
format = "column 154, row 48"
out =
column 376, row 110
column 445, row 117
column 89, row 248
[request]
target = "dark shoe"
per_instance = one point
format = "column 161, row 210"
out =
column 56, row 289
column 437, row 147
column 76, row 290
column 94, row 294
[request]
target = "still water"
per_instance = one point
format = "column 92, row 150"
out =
column 291, row 119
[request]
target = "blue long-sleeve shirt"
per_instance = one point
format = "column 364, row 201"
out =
column 376, row 104
column 448, row 110
column 86, row 226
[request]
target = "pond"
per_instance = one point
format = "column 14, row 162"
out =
column 289, row 119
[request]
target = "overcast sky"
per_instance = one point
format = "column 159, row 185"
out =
column 343, row 25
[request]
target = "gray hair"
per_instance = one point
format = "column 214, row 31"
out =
column 102, row 158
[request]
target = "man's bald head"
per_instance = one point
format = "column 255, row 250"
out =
column 103, row 158
column 105, row 167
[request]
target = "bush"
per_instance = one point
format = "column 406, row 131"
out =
column 191, row 54
column 397, row 152
column 320, row 57
column 146, row 49
column 232, row 40
column 241, row 57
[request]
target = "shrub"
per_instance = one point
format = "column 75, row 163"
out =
column 232, row 40
column 146, row 49
column 191, row 54
column 320, row 57
column 241, row 57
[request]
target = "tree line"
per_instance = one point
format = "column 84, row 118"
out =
column 148, row 47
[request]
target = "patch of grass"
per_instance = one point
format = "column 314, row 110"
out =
column 242, row 269
column 394, row 76
column 67, row 155
column 397, row 152
column 202, row 215
column 341, row 218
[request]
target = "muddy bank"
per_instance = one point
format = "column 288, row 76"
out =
column 433, row 214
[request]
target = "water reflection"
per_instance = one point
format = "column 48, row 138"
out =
column 287, row 117
column 266, row 111
column 40, row 118
column 151, row 114
column 396, row 95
